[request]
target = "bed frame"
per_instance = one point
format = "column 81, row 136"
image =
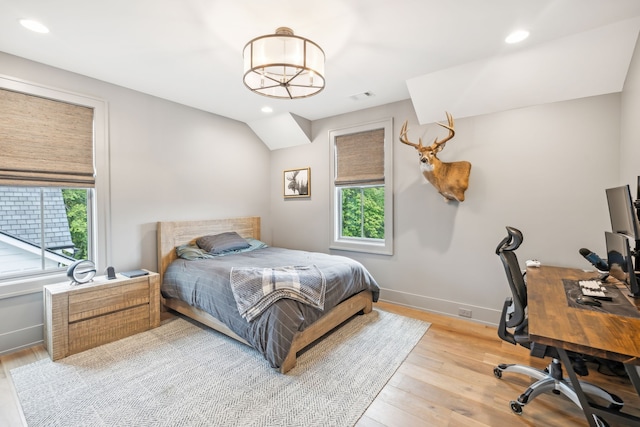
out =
column 172, row 234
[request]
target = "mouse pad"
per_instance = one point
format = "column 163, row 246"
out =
column 619, row 305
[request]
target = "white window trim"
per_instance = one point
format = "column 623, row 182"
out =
column 101, row 215
column 362, row 245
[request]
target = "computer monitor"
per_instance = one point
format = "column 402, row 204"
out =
column 620, row 261
column 637, row 203
column 622, row 211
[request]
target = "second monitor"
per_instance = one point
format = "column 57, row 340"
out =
column 621, row 262
column 622, row 211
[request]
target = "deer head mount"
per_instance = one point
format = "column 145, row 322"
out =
column 450, row 179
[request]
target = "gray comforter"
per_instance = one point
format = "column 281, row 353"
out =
column 205, row 284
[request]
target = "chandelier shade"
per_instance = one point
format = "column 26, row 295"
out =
column 283, row 65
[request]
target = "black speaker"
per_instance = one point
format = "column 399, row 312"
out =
column 111, row 273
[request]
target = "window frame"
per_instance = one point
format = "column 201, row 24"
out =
column 356, row 244
column 100, row 219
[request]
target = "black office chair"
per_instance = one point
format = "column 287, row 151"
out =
column 513, row 328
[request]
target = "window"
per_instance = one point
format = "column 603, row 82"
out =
column 43, row 229
column 362, row 210
column 54, row 163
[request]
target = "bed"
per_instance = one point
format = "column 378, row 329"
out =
column 193, row 289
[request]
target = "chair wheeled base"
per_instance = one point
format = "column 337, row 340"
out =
column 551, row 379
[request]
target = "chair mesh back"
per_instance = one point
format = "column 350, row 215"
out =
column 506, row 252
column 514, row 276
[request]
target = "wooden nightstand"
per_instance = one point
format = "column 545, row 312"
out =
column 80, row 317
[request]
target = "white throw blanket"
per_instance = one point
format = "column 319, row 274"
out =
column 255, row 289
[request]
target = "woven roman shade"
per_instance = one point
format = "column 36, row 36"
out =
column 45, row 142
column 360, row 158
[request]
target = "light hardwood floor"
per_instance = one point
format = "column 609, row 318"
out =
column 447, row 380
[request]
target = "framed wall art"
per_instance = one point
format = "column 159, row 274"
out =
column 296, row 183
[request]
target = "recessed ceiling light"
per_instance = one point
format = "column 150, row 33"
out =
column 34, row 26
column 517, row 36
column 267, row 110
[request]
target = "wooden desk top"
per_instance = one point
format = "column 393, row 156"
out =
column 553, row 322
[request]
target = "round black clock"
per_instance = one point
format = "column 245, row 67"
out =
column 81, row 271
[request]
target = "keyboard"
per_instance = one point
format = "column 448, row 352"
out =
column 594, row 288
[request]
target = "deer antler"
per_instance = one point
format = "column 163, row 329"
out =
column 439, row 145
column 404, row 140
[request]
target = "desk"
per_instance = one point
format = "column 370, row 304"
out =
column 553, row 322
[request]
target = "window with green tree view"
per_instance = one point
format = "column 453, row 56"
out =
column 362, row 203
column 362, row 210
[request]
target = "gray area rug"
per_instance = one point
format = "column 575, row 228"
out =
column 183, row 374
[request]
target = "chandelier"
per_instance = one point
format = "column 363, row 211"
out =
column 282, row 65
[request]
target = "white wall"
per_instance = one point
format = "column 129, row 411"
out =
column 172, row 163
column 542, row 169
column 168, row 162
column 630, row 125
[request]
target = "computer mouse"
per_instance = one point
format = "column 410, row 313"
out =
column 585, row 300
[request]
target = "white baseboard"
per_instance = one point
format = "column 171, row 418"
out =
column 20, row 339
column 484, row 315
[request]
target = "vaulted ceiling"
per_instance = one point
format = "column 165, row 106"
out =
column 443, row 55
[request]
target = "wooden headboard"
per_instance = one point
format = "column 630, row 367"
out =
column 176, row 233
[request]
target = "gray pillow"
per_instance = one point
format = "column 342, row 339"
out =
column 192, row 251
column 224, row 242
